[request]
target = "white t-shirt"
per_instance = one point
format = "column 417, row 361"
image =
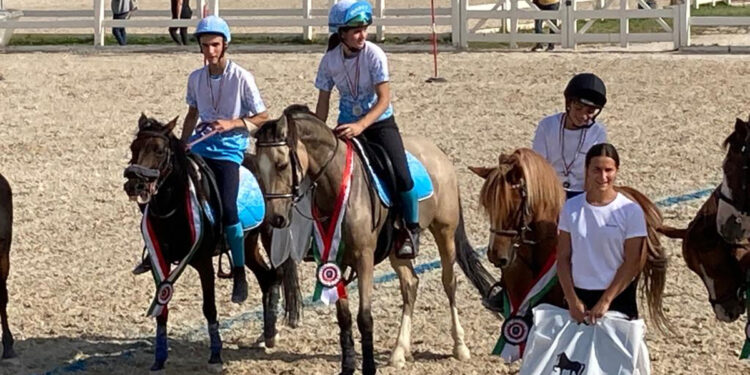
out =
column 231, row 95
column 597, row 237
column 577, row 144
column 361, row 72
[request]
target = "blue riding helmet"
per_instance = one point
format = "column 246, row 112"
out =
column 349, row 13
column 213, row 25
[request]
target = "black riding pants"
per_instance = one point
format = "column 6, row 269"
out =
column 625, row 303
column 227, row 175
column 386, row 134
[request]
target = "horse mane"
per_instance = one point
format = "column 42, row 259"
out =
column 293, row 114
column 545, row 195
column 655, row 270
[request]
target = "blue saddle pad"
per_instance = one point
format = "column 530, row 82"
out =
column 250, row 204
column 419, row 175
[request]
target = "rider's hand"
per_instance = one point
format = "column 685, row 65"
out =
column 349, row 131
column 598, row 311
column 577, row 310
column 223, row 125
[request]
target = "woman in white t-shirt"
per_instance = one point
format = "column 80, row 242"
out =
column 600, row 243
column 358, row 69
column 564, row 138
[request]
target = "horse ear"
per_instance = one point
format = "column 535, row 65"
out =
column 142, row 121
column 503, row 159
column 170, row 125
column 740, row 127
column 482, row 172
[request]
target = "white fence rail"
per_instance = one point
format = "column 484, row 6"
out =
column 467, row 21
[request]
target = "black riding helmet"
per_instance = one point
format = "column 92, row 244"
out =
column 588, row 89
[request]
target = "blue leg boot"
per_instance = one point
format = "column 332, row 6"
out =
column 410, row 204
column 236, row 241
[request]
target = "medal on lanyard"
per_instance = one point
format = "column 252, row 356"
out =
column 568, row 166
column 357, row 109
column 215, row 103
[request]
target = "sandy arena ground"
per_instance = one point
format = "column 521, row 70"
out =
column 66, row 121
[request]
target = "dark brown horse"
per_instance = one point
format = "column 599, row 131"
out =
column 715, row 243
column 158, row 175
column 523, row 199
column 6, row 234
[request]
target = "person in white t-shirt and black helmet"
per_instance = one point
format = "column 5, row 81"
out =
column 600, row 248
column 564, row 138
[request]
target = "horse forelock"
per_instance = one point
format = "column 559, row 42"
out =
column 545, row 195
column 496, row 194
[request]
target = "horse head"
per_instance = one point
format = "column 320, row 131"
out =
column 733, row 214
column 522, row 197
column 283, row 162
column 151, row 162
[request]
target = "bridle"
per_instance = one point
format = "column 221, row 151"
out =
column 295, row 193
column 745, row 207
column 520, row 233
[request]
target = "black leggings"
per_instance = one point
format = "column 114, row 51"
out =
column 625, row 303
column 385, row 133
column 228, row 179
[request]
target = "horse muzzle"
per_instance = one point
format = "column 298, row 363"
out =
column 141, row 183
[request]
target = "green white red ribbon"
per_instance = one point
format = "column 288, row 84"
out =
column 328, row 247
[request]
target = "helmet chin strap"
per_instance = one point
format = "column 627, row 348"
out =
column 350, row 48
column 593, row 118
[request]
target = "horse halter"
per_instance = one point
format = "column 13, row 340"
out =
column 519, row 234
column 163, row 170
column 745, row 207
column 295, row 195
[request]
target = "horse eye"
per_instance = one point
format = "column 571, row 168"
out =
column 282, row 166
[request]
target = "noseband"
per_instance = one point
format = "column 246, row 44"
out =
column 163, row 170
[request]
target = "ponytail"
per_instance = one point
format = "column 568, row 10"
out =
column 333, row 41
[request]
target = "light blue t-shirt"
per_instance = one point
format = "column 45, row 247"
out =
column 337, row 71
column 231, row 95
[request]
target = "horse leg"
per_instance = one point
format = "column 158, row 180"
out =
column 8, row 351
column 205, row 269
column 185, row 13
column 344, row 317
column 364, row 317
column 409, row 284
column 269, row 281
column 447, row 248
column 161, row 350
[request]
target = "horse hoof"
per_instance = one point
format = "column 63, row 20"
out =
column 270, row 342
column 461, row 353
column 9, row 353
column 12, row 361
column 215, row 368
column 215, row 358
column 398, row 358
column 157, row 368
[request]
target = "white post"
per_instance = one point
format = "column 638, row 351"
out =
column 685, row 25
column 98, row 19
column 379, row 13
column 201, row 7
column 213, row 7
column 456, row 26
column 572, row 23
column 624, row 24
column 676, row 26
column 307, row 33
column 464, row 24
column 513, row 23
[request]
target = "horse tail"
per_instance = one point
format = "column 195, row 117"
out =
column 468, row 259
column 292, row 294
column 655, row 270
column 672, row 232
